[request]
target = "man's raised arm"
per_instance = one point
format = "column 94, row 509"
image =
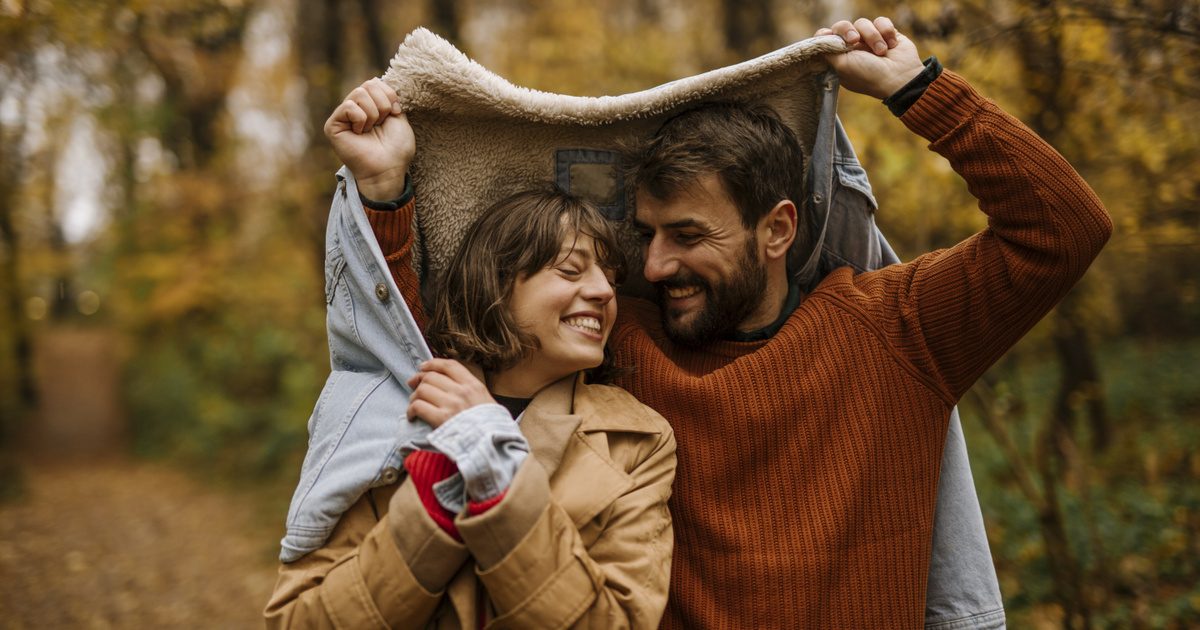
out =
column 955, row 312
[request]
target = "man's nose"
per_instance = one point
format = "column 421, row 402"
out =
column 660, row 262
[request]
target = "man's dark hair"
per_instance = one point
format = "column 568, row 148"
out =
column 756, row 156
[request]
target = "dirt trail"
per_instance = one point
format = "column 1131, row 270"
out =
column 110, row 543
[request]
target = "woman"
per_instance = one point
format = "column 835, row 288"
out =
column 562, row 523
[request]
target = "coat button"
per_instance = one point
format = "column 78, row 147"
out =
column 816, row 199
column 381, row 292
column 390, row 475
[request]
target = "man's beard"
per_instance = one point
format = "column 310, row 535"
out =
column 725, row 305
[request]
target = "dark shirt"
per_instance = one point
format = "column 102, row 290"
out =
column 514, row 405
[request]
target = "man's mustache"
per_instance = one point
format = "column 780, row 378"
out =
column 681, row 280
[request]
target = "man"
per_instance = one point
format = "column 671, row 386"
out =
column 810, row 426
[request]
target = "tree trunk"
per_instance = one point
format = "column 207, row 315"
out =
column 446, row 21
column 749, row 27
column 11, row 173
column 379, row 50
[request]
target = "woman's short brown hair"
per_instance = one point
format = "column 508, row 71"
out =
column 516, row 237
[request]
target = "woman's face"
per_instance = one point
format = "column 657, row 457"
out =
column 569, row 306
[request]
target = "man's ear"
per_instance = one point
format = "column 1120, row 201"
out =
column 778, row 229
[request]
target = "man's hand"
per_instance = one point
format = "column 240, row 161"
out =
column 880, row 61
column 443, row 389
column 371, row 135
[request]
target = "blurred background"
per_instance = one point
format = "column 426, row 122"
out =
column 163, row 190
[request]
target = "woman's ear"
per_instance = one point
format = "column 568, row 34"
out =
column 780, row 227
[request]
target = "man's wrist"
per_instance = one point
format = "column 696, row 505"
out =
column 902, row 99
column 388, row 184
column 385, row 198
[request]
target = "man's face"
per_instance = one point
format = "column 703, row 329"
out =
column 704, row 264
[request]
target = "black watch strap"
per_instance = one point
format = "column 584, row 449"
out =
column 394, row 204
column 904, row 98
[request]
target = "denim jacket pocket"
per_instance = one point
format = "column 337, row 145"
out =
column 850, row 174
column 851, row 238
column 341, row 318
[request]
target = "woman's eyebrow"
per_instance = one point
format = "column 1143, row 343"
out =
column 569, row 251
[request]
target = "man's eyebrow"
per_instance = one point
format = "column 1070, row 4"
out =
column 674, row 225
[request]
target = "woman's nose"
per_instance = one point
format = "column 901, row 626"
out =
column 596, row 287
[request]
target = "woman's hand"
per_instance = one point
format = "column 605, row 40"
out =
column 370, row 134
column 881, row 60
column 442, row 389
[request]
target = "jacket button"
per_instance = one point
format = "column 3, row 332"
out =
column 390, row 475
column 816, row 199
column 381, row 292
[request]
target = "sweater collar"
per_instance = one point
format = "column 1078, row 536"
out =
column 768, row 331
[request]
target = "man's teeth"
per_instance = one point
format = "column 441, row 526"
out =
column 590, row 324
column 682, row 292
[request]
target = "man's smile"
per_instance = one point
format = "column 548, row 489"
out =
column 679, row 293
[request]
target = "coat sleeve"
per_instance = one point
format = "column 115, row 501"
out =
column 955, row 312
column 385, row 573
column 539, row 573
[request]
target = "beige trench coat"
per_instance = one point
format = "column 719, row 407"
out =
column 582, row 539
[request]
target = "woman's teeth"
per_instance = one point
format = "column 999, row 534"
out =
column 590, row 324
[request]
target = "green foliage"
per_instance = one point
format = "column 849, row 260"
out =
column 232, row 397
column 1132, row 511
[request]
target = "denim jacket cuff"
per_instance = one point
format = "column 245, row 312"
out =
column 487, row 446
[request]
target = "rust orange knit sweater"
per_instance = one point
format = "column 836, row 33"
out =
column 808, row 463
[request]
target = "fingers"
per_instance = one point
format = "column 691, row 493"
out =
column 877, row 36
column 845, row 30
column 385, row 97
column 442, row 389
column 431, row 414
column 361, row 97
column 887, row 30
column 366, row 106
column 433, row 401
column 871, row 38
column 348, row 116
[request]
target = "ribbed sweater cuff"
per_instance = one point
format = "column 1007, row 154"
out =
column 427, row 468
column 475, row 508
column 392, row 228
column 947, row 102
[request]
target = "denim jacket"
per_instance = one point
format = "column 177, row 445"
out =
column 358, row 428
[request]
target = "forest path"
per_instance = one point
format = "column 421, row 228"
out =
column 113, row 543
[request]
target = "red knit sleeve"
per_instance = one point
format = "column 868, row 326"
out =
column 395, row 234
column 475, row 508
column 427, row 468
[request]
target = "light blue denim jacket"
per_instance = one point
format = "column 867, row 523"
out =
column 358, row 433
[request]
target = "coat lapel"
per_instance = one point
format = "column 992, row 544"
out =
column 548, row 423
column 582, row 481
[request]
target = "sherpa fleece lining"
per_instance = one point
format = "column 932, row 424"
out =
column 481, row 138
